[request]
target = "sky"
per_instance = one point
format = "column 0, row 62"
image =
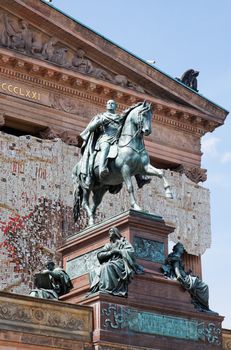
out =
column 179, row 35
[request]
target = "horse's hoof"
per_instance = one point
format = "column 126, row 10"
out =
column 90, row 222
column 136, row 207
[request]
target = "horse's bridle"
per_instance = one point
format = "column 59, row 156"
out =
column 139, row 131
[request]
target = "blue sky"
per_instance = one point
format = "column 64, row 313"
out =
column 180, row 35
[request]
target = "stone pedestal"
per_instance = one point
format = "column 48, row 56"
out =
column 158, row 313
column 147, row 233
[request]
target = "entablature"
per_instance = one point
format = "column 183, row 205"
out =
column 19, row 67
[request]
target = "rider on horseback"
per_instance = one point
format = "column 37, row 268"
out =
column 101, row 133
column 108, row 124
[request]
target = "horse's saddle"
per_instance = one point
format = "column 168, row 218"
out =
column 112, row 154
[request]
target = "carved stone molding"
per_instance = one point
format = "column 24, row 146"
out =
column 52, row 134
column 99, row 96
column 194, row 174
column 180, row 124
column 14, row 312
column 83, row 92
column 23, row 313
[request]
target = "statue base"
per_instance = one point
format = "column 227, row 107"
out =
column 158, row 313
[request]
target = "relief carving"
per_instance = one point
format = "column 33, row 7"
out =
column 148, row 249
column 37, row 45
column 194, row 174
column 80, row 63
column 59, row 56
column 26, row 314
column 63, row 103
column 17, row 34
column 65, row 136
column 72, row 106
column 49, row 48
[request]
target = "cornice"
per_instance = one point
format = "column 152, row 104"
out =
column 62, row 80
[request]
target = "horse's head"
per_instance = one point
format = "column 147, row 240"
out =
column 145, row 118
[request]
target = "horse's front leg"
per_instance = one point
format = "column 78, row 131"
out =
column 128, row 182
column 152, row 171
column 97, row 198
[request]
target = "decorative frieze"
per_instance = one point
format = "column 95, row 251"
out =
column 25, row 314
column 32, row 317
column 122, row 317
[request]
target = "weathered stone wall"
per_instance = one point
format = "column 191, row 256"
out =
column 36, row 207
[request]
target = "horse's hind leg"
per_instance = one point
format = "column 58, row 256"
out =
column 85, row 205
column 128, row 182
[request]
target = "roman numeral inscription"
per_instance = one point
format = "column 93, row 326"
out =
column 19, row 91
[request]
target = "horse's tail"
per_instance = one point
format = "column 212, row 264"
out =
column 78, row 197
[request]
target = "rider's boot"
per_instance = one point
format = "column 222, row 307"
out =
column 103, row 170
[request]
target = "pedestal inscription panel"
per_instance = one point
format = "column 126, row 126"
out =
column 122, row 317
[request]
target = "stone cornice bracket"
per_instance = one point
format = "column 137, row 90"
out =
column 48, row 73
column 106, row 92
column 210, row 125
column 61, row 77
column 172, row 113
column 5, row 59
column 77, row 82
column 92, row 87
column 132, row 99
column 120, row 96
column 18, row 63
column 194, row 174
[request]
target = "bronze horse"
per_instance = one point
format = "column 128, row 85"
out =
column 132, row 159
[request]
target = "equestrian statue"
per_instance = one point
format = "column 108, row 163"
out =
column 112, row 152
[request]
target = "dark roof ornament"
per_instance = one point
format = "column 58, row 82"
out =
column 189, row 78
